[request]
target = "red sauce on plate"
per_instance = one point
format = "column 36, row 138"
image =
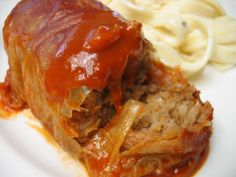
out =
column 93, row 46
column 9, row 102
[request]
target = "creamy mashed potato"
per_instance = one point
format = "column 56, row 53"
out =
column 184, row 33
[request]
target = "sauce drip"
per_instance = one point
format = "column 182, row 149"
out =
column 96, row 54
column 9, row 102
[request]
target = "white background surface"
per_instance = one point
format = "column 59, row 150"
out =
column 25, row 153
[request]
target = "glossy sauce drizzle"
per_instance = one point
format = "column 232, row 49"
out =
column 96, row 54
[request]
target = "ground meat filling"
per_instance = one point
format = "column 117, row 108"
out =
column 173, row 130
column 96, row 113
column 170, row 105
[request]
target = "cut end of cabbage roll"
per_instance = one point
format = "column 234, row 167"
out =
column 86, row 74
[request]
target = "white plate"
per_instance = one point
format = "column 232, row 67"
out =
column 25, row 153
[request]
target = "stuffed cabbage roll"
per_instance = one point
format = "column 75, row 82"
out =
column 87, row 74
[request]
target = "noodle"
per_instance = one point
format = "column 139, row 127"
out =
column 184, row 33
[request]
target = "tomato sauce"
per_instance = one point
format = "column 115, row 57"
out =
column 97, row 45
column 9, row 102
column 186, row 169
column 96, row 54
column 77, row 43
